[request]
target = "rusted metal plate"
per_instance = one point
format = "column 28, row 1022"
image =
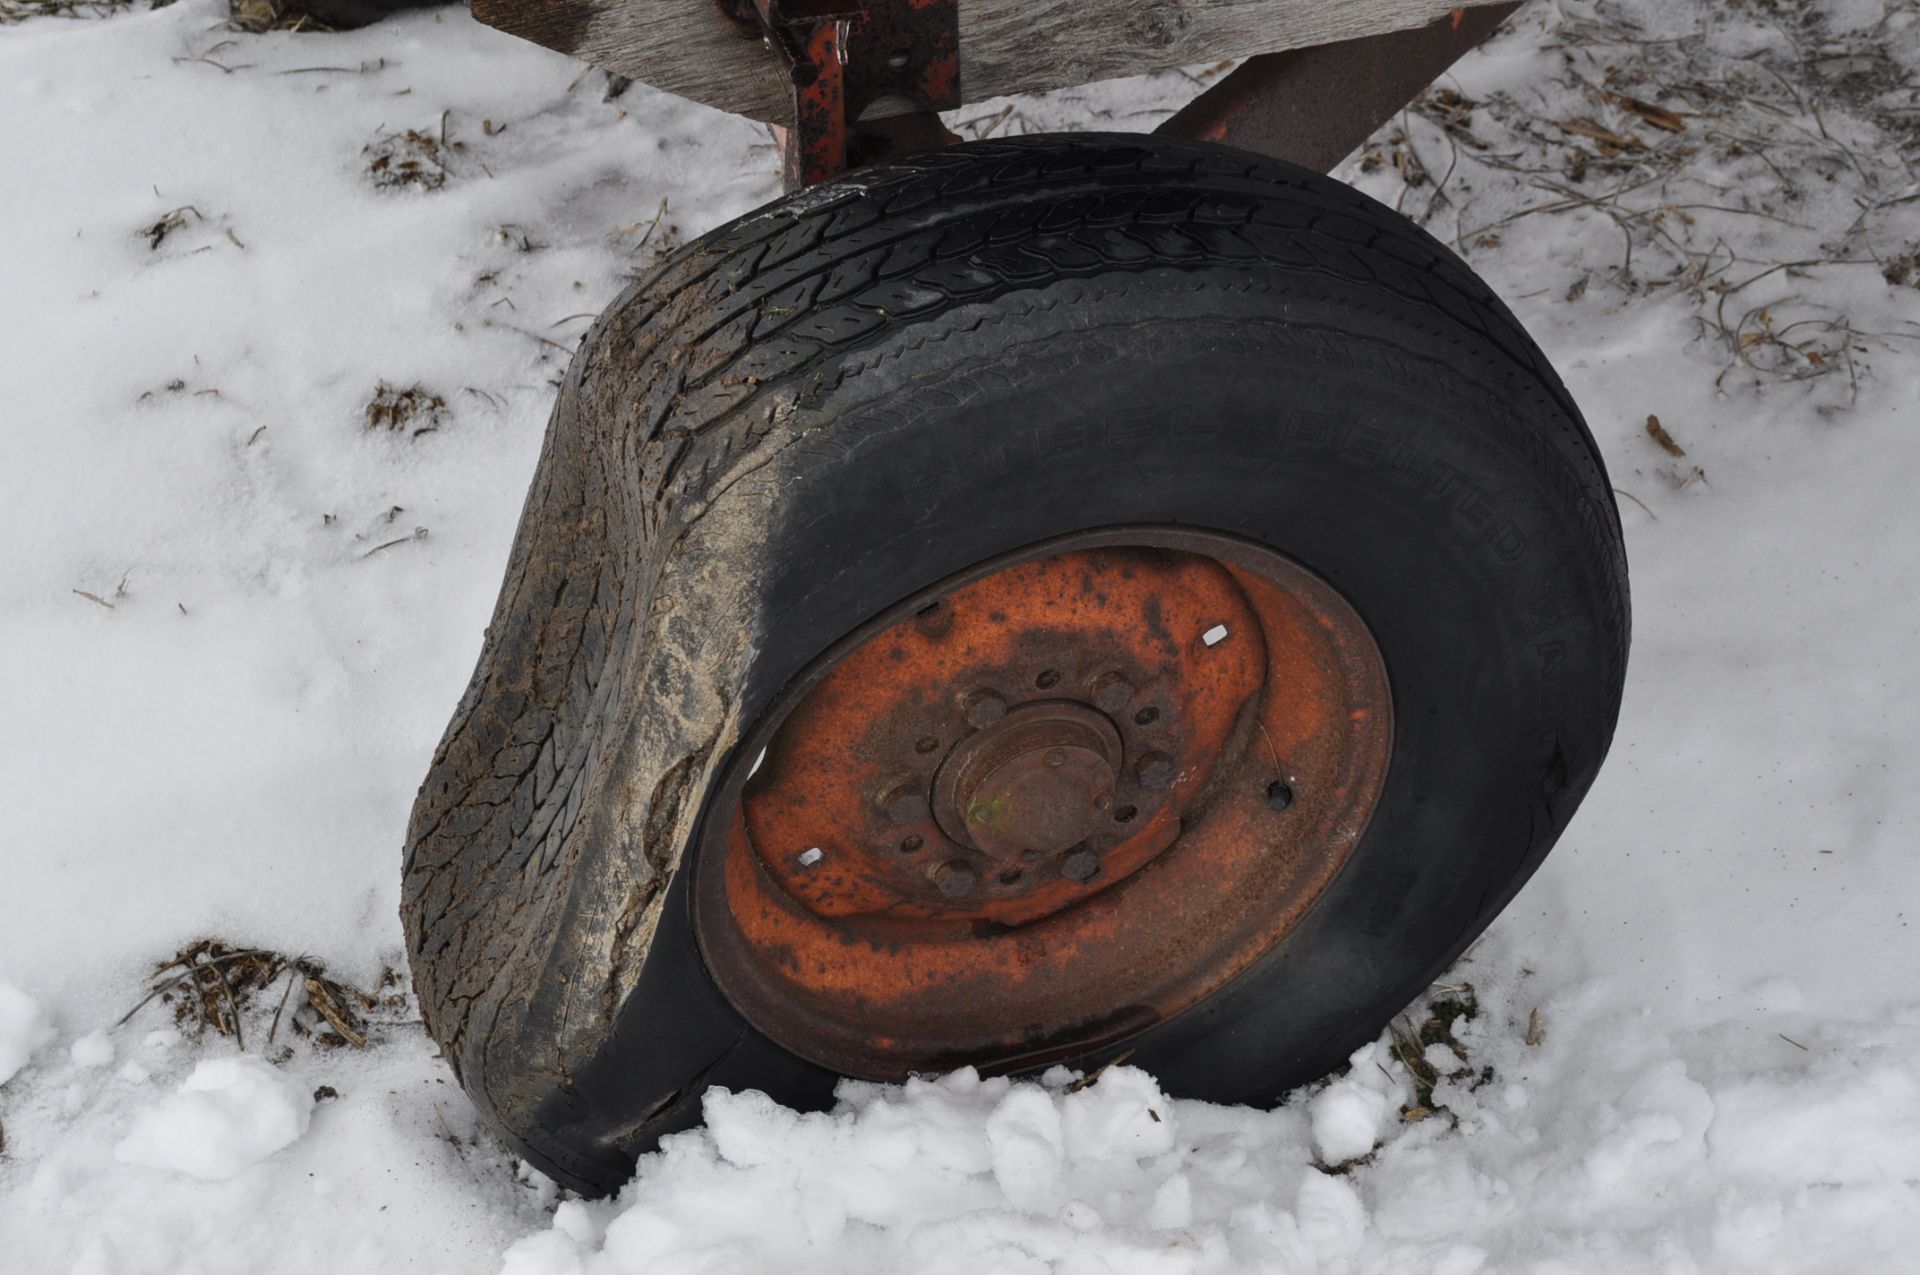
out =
column 1044, row 805
column 1315, row 105
column 894, row 727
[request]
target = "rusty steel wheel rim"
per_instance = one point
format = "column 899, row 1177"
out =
column 1049, row 802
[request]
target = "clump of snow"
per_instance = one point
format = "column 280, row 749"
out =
column 1349, row 1114
column 957, row 1174
column 1710, row 1149
column 1027, row 1143
column 1123, row 1119
column 23, row 1029
column 95, row 1049
column 229, row 1115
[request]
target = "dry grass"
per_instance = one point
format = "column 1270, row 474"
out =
column 255, row 16
column 252, row 16
column 158, row 232
column 411, row 159
column 1730, row 176
column 415, row 410
column 1410, row 1041
column 12, row 11
column 211, row 985
column 647, row 242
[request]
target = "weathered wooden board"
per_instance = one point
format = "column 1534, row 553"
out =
column 1006, row 46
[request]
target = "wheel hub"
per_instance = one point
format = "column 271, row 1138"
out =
column 1036, row 782
column 1030, row 811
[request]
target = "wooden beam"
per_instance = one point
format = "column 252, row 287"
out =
column 1006, row 46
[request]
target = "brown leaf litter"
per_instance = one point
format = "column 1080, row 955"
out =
column 211, row 985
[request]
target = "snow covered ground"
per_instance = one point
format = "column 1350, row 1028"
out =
column 280, row 321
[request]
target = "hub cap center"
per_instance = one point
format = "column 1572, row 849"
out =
column 1038, row 780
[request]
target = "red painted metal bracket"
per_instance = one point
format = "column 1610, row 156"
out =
column 868, row 77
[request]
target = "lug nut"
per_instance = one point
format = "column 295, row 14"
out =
column 1155, row 770
column 1111, row 692
column 955, row 878
column 904, row 803
column 1079, row 865
column 984, row 708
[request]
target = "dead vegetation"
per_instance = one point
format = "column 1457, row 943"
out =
column 156, row 234
column 256, row 16
column 414, row 410
column 1665, row 441
column 382, row 532
column 411, row 159
column 251, row 16
column 212, row 985
column 167, row 234
column 647, row 242
column 1411, row 1044
column 119, row 592
column 12, row 11
column 1742, row 167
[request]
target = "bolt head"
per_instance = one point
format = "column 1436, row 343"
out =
column 1112, row 692
column 955, row 878
column 905, row 803
column 984, row 708
column 1156, row 771
column 1079, row 865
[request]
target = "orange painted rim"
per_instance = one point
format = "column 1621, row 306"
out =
column 1043, row 805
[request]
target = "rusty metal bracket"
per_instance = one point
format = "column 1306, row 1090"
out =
column 1315, row 105
column 867, row 76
